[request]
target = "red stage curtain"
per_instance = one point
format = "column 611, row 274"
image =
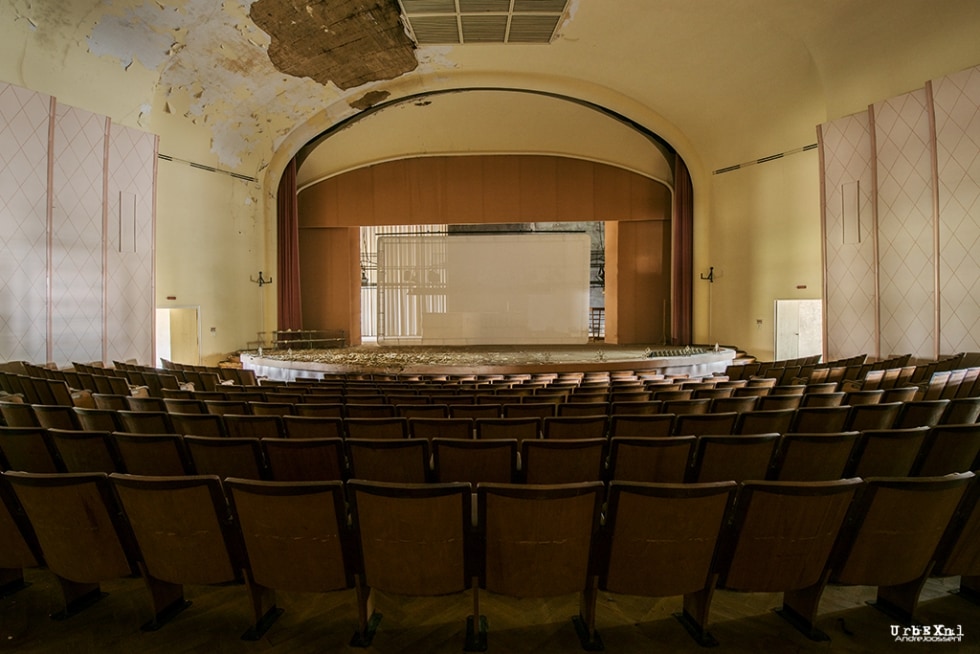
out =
column 682, row 315
column 290, row 314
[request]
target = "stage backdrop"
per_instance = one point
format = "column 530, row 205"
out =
column 483, row 289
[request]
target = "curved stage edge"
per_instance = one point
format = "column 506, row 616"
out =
column 699, row 364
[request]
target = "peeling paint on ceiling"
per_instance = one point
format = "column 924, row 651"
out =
column 346, row 42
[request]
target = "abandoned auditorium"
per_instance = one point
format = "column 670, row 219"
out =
column 524, row 326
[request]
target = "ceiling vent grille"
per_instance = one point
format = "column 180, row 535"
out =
column 442, row 22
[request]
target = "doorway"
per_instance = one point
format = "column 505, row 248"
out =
column 179, row 335
column 799, row 329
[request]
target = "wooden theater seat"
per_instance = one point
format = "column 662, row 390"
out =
column 85, row 451
column 660, row 541
column 186, row 536
column 863, row 417
column 739, row 458
column 921, row 413
column 431, row 428
column 424, row 552
column 226, row 457
column 886, row 452
column 152, row 454
column 28, row 449
column 958, row 553
column 18, row 543
column 198, row 424
column 653, row 460
column 537, row 542
column 949, row 448
column 18, row 414
column 517, row 428
column 641, row 425
column 820, row 419
column 565, row 427
column 705, row 423
column 81, row 534
column 393, row 427
column 297, row 539
column 813, row 457
column 474, row 461
column 252, row 426
column 308, row 426
column 305, row 459
column 889, row 540
column 403, row 461
column 766, row 421
column 563, row 461
column 56, row 416
column 98, row 419
column 781, row 536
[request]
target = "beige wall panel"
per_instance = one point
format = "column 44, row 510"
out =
column 428, row 190
column 330, row 293
column 538, row 189
column 576, row 195
column 612, row 282
column 464, row 176
column 637, row 294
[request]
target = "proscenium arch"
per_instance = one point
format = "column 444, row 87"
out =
column 429, row 141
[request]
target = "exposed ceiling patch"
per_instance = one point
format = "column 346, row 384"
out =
column 370, row 99
column 346, row 42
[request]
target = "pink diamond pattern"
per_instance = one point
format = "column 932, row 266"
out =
column 24, row 119
column 76, row 255
column 129, row 276
column 957, row 107
column 906, row 261
column 850, row 312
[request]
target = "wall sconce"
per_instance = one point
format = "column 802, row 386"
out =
column 710, row 277
column 260, row 281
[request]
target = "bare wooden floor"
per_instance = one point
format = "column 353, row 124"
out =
column 325, row 623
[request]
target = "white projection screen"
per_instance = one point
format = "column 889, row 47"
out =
column 484, row 289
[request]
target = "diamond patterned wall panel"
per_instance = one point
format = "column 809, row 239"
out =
column 850, row 282
column 129, row 244
column 956, row 99
column 76, row 236
column 906, row 258
column 24, row 120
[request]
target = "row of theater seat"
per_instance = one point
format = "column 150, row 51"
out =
column 920, row 451
column 654, row 540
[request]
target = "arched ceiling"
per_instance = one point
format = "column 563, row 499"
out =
column 724, row 82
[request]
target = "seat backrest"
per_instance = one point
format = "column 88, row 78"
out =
column 737, row 458
column 85, row 451
column 223, row 407
column 360, row 409
column 957, row 551
column 736, row 404
column 641, row 425
column 152, row 454
column 685, row 407
column 813, row 457
column 864, row 417
column 273, row 408
column 564, row 427
column 538, row 539
column 562, row 461
column 134, row 403
column 28, row 449
column 530, row 410
column 184, row 529
column 654, row 460
column 635, row 407
column 78, row 525
column 947, row 449
column 56, row 416
column 653, row 546
column 474, row 411
column 305, row 459
column 309, row 426
column 443, row 428
column 584, row 408
column 424, row 551
column 920, row 413
column 834, row 398
column 252, row 426
column 114, row 401
column 402, row 461
column 325, row 409
column 226, row 456
column 783, row 533
column 474, row 461
column 962, row 411
column 198, row 424
column 856, row 398
column 776, row 421
column 518, row 428
column 820, row 419
column 18, row 414
column 146, row 422
column 295, row 535
column 894, row 527
column 18, row 543
column 705, row 423
column 886, row 452
column 390, row 427
column 778, row 402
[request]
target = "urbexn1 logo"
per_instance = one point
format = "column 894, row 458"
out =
column 936, row 633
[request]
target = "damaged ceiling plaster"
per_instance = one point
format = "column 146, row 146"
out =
column 251, row 70
column 346, row 42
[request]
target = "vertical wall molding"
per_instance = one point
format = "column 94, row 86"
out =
column 876, row 254
column 105, row 237
column 936, row 244
column 49, row 240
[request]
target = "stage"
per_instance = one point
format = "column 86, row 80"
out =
column 694, row 361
